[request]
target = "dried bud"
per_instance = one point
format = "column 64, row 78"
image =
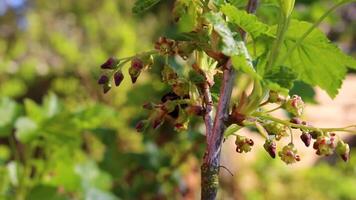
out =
column 343, row 150
column 295, row 120
column 270, row 146
column 140, row 126
column 289, row 154
column 148, row 106
column 195, row 110
column 165, row 46
column 118, row 77
column 181, row 88
column 306, row 138
column 103, row 80
column 294, row 105
column 110, row 63
column 243, row 144
column 106, row 88
column 157, row 122
column 274, row 97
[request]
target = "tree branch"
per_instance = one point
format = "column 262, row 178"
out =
column 210, row 167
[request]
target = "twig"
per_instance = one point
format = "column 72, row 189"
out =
column 208, row 116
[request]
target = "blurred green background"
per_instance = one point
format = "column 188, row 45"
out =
column 61, row 138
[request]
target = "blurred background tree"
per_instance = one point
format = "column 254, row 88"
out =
column 60, row 138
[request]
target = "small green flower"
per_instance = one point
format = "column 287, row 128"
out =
column 294, row 105
column 243, row 144
column 289, row 154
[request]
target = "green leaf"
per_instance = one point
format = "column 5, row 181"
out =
column 188, row 20
column 239, row 62
column 303, row 90
column 26, row 129
column 317, row 61
column 282, row 76
column 142, row 6
column 247, row 22
column 34, row 111
column 9, row 111
column 231, row 130
column 229, row 46
column 51, row 105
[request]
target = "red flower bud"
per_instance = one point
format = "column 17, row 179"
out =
column 106, row 88
column 140, row 126
column 270, row 146
column 343, row 150
column 110, row 63
column 103, row 80
column 137, row 64
column 118, row 77
column 306, row 138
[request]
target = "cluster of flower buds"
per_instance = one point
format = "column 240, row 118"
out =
column 294, row 105
column 271, row 147
column 165, row 46
column 243, row 144
column 325, row 144
column 118, row 76
column 276, row 129
column 171, row 47
column 289, row 154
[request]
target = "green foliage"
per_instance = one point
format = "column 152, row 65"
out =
column 143, row 5
column 228, row 44
column 316, row 60
column 248, row 22
column 62, row 139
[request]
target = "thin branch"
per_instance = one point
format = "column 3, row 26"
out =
column 287, row 123
column 214, row 142
column 208, row 117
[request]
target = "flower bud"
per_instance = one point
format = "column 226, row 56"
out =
column 287, row 7
column 106, row 88
column 140, row 126
column 289, row 154
column 343, row 150
column 110, row 63
column 135, row 69
column 103, row 80
column 148, row 106
column 294, row 105
column 195, row 110
column 306, row 138
column 118, row 77
column 243, row 144
column 316, row 134
column 270, row 146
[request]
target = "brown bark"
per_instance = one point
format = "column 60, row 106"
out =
column 211, row 163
